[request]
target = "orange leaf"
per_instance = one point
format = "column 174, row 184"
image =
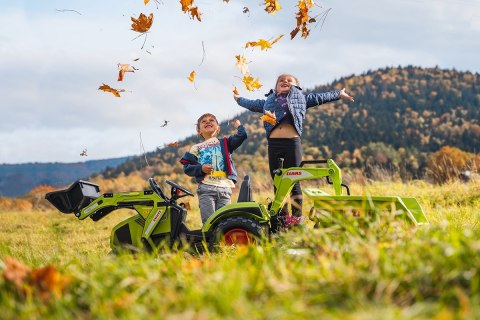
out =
column 124, row 68
column 142, row 23
column 302, row 18
column 172, row 144
column 235, row 91
column 186, row 4
column 107, row 88
column 48, row 280
column 146, row 1
column 272, row 6
column 195, row 13
column 191, row 77
column 269, row 117
column 251, row 84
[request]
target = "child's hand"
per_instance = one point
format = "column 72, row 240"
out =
column 235, row 96
column 236, row 123
column 344, row 95
column 207, row 168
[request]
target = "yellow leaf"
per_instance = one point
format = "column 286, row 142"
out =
column 251, row 84
column 262, row 43
column 269, row 117
column 272, row 6
column 242, row 64
column 146, row 1
column 107, row 88
column 191, row 77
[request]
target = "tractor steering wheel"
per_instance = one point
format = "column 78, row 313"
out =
column 175, row 191
column 157, row 189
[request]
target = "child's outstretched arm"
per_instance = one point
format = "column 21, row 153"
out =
column 252, row 105
column 346, row 96
column 234, row 141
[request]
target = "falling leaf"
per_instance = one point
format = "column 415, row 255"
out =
column 246, row 10
column 262, row 43
column 165, row 124
column 269, row 117
column 302, row 18
column 251, row 84
column 272, row 6
column 124, row 68
column 142, row 23
column 107, row 88
column 136, row 59
column 187, row 7
column 191, row 77
column 83, row 153
column 172, row 144
column 235, row 91
column 146, row 1
column 242, row 64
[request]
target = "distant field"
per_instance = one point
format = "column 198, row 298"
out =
column 385, row 269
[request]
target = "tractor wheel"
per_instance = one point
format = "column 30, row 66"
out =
column 237, row 231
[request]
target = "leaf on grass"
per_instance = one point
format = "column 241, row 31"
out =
column 142, row 23
column 262, row 43
column 191, row 77
column 16, row 273
column 107, row 88
column 48, row 281
column 124, row 68
column 242, row 64
column 251, row 84
column 272, row 6
column 269, row 117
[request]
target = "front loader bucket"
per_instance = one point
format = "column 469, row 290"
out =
column 407, row 208
column 79, row 195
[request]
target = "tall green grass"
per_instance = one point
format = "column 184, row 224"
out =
column 364, row 268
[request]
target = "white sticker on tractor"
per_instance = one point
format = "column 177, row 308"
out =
column 87, row 210
column 152, row 224
column 297, row 174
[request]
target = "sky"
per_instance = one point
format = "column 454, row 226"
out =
column 55, row 54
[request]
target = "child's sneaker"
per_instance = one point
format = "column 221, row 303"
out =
column 291, row 221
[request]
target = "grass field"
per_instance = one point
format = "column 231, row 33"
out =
column 356, row 269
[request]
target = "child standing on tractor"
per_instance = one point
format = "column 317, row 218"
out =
column 285, row 109
column 211, row 164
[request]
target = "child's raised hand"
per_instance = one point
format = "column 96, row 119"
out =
column 344, row 95
column 236, row 123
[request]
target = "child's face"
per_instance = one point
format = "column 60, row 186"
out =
column 208, row 127
column 284, row 83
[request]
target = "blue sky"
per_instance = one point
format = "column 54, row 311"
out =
column 52, row 63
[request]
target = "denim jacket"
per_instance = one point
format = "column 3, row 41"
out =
column 298, row 103
column 193, row 168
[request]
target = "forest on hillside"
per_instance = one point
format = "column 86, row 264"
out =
column 400, row 118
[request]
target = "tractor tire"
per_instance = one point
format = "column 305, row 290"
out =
column 237, row 231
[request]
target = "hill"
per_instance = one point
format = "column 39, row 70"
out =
column 18, row 179
column 400, row 117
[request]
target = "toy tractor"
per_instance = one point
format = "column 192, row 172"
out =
column 160, row 220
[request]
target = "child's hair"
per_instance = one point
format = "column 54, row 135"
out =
column 204, row 116
column 287, row 75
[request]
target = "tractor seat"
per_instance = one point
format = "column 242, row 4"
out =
column 245, row 194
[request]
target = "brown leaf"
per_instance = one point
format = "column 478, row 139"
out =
column 235, row 91
column 107, row 88
column 272, row 6
column 15, row 272
column 142, row 23
column 124, row 68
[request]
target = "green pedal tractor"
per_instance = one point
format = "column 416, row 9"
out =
column 160, row 220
